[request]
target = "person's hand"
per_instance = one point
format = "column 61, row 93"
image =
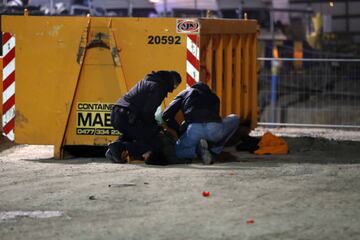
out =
column 161, row 134
column 146, row 155
column 160, row 129
column 172, row 132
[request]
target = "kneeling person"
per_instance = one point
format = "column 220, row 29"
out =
column 203, row 124
column 133, row 115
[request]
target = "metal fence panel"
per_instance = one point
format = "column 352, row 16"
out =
column 309, row 92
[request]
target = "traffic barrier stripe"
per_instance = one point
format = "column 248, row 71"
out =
column 192, row 60
column 8, row 81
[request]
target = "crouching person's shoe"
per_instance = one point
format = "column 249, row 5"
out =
column 116, row 154
column 155, row 158
column 204, row 153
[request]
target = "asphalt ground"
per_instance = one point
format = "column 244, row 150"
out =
column 311, row 193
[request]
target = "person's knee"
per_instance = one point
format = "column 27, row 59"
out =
column 179, row 152
column 184, row 152
column 117, row 122
column 233, row 119
column 215, row 135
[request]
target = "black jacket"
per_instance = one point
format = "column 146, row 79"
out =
column 198, row 104
column 146, row 96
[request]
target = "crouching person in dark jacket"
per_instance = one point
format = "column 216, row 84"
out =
column 134, row 116
column 203, row 124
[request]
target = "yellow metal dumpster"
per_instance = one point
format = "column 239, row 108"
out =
column 70, row 70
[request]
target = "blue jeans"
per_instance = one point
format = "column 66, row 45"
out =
column 216, row 132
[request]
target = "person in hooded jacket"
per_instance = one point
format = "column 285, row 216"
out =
column 203, row 124
column 134, row 116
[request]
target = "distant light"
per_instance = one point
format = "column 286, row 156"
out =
column 154, row 1
column 331, row 3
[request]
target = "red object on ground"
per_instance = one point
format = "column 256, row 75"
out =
column 206, row 194
column 250, row 221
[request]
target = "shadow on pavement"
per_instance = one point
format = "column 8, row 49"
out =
column 5, row 143
column 301, row 150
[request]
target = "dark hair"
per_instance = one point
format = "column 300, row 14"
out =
column 167, row 78
column 175, row 77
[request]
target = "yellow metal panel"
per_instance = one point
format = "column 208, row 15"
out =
column 228, row 75
column 245, row 78
column 132, row 36
column 46, row 73
column 117, row 61
column 227, row 26
column 219, row 70
column 209, row 61
column 137, row 58
column 237, row 78
column 96, row 77
column 254, row 81
column 204, row 41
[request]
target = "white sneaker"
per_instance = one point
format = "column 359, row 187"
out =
column 204, row 153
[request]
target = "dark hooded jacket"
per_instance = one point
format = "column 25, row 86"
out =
column 146, row 96
column 198, row 104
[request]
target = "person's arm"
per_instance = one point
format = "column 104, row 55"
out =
column 152, row 102
column 170, row 112
column 217, row 104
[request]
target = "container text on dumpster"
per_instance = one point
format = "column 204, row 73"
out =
column 94, row 119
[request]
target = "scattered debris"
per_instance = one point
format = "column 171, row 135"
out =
column 31, row 214
column 206, row 194
column 122, row 185
column 250, row 221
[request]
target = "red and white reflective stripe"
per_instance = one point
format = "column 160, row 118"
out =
column 192, row 60
column 8, row 102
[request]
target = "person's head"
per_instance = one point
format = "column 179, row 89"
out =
column 201, row 86
column 169, row 79
column 176, row 79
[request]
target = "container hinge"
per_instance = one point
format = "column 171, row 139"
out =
column 115, row 56
column 83, row 44
column 98, row 42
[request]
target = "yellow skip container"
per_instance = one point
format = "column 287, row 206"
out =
column 69, row 70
